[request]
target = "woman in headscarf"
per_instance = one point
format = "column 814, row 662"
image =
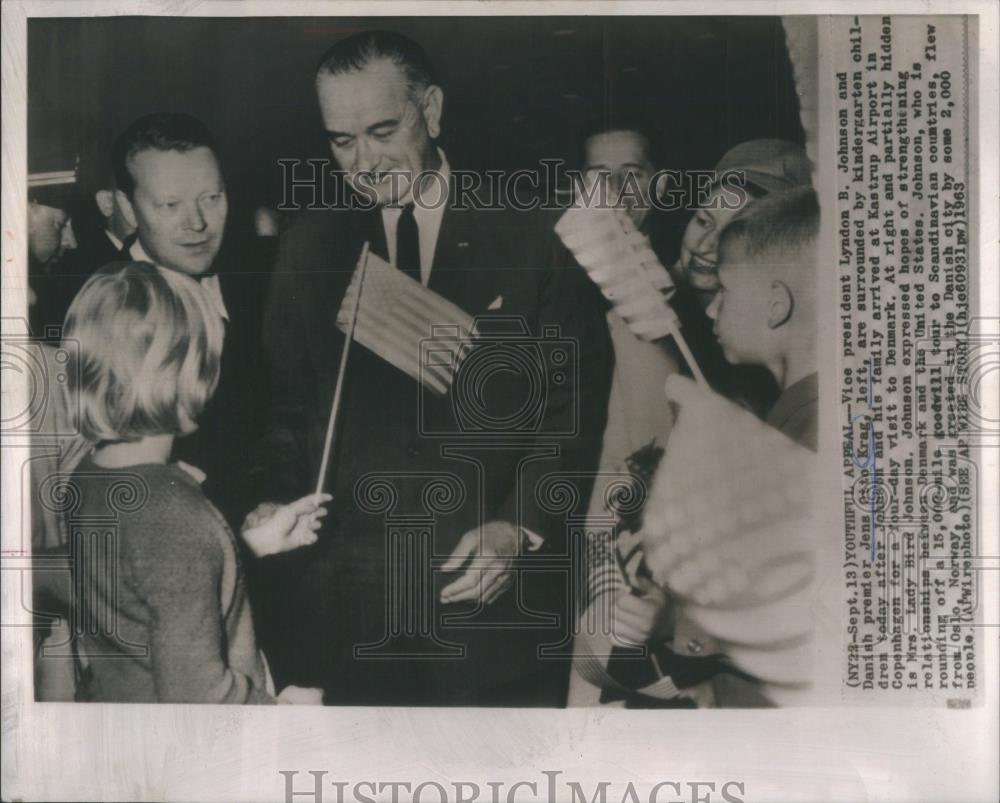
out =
column 759, row 167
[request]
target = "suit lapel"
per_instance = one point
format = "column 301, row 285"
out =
column 455, row 254
column 444, row 259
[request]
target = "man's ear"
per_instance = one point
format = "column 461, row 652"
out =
column 432, row 107
column 126, row 206
column 779, row 305
column 105, row 200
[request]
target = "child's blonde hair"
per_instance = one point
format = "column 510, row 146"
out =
column 149, row 345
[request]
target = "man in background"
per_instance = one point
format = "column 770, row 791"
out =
column 624, row 157
column 52, row 180
column 103, row 229
column 52, row 183
column 100, row 229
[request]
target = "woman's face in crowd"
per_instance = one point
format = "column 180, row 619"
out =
column 700, row 245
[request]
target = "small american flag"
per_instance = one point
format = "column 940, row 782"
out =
column 406, row 324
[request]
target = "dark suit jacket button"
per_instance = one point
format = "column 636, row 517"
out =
column 412, row 451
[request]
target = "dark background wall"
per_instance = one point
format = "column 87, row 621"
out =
column 517, row 89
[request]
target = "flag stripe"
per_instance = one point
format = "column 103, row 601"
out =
column 399, row 320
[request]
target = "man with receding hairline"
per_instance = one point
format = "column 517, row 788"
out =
column 382, row 108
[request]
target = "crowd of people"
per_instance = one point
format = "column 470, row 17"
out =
column 430, row 569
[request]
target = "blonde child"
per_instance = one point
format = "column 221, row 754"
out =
column 163, row 614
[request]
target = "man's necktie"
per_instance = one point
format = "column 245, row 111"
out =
column 408, row 243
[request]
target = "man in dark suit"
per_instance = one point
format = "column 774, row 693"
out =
column 52, row 185
column 170, row 189
column 430, row 584
column 103, row 229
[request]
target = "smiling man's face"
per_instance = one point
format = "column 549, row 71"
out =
column 180, row 207
column 380, row 130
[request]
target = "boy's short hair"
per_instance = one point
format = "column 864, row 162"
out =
column 776, row 228
column 149, row 346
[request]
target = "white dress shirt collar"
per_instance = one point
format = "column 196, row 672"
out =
column 210, row 284
column 118, row 244
column 428, row 214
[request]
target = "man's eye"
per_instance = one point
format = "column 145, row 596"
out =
column 171, row 205
column 341, row 142
column 384, row 136
column 214, row 197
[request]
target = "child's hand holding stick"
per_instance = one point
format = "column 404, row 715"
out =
column 273, row 528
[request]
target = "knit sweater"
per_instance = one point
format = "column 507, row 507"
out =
column 160, row 591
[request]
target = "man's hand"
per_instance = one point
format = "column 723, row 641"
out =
column 492, row 553
column 273, row 528
column 642, row 618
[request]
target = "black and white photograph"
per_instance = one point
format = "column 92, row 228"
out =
column 541, row 405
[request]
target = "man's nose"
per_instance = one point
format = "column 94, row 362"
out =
column 195, row 219
column 366, row 156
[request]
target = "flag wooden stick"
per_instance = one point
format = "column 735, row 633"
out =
column 675, row 332
column 331, row 425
